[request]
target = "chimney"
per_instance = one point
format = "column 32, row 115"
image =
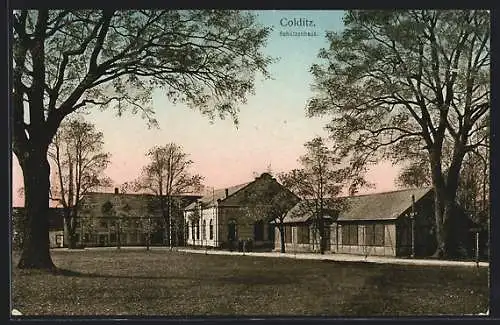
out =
column 116, row 190
column 227, row 192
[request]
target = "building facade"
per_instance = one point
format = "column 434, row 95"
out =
column 114, row 219
column 397, row 223
column 227, row 217
column 122, row 219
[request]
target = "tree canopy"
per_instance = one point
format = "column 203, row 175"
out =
column 69, row 60
column 168, row 174
column 396, row 82
column 65, row 59
column 401, row 83
column 77, row 154
column 319, row 183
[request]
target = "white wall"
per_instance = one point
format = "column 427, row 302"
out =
column 207, row 215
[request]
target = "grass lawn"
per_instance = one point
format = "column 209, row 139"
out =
column 164, row 283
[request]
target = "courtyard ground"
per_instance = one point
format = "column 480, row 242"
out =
column 169, row 283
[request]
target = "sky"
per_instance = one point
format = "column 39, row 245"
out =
column 272, row 125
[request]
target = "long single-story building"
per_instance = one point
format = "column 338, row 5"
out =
column 228, row 216
column 397, row 223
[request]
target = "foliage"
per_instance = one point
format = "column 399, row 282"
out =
column 399, row 84
column 415, row 174
column 79, row 159
column 206, row 58
column 167, row 173
column 269, row 203
column 318, row 182
column 393, row 79
column 474, row 187
column 320, row 175
column 77, row 154
column 107, row 208
column 17, row 229
column 88, row 227
column 66, row 60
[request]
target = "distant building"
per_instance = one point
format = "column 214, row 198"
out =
column 56, row 226
column 114, row 219
column 372, row 224
column 226, row 217
column 122, row 219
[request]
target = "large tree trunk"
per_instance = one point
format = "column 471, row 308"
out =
column 445, row 207
column 439, row 220
column 36, row 245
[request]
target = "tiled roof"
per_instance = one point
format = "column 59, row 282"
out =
column 304, row 210
column 218, row 194
column 135, row 200
column 377, row 206
column 381, row 206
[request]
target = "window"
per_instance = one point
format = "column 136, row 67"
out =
column 288, row 234
column 211, row 229
column 193, row 229
column 59, row 240
column 303, row 234
column 379, row 235
column 198, row 230
column 258, row 230
column 349, row 234
column 374, row 235
column 186, row 230
column 232, row 230
column 204, row 230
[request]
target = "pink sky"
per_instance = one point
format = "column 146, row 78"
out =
column 272, row 131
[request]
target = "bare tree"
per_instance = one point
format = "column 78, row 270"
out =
column 65, row 60
column 77, row 154
column 403, row 83
column 166, row 176
column 318, row 183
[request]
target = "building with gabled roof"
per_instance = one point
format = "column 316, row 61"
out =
column 229, row 216
column 114, row 219
column 396, row 223
column 211, row 198
column 129, row 219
